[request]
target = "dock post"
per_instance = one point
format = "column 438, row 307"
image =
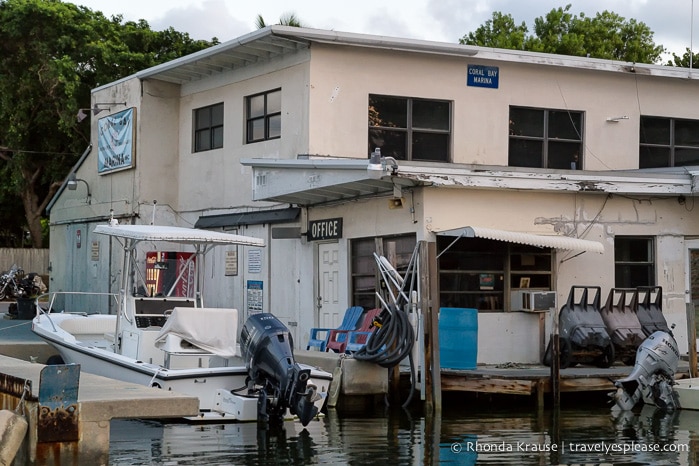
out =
column 555, row 362
column 429, row 303
column 692, row 337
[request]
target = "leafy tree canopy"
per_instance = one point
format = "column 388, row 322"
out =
column 286, row 19
column 51, row 55
column 607, row 35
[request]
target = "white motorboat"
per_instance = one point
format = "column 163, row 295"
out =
column 161, row 334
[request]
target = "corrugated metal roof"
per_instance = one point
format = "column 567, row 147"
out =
column 542, row 241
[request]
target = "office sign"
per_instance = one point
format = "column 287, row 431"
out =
column 329, row 228
column 483, row 76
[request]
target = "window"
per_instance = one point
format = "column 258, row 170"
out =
column 208, row 128
column 634, row 262
column 410, row 129
column 542, row 138
column 365, row 275
column 668, row 142
column 479, row 273
column 263, row 116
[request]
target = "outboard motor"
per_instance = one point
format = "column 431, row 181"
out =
column 280, row 383
column 652, row 377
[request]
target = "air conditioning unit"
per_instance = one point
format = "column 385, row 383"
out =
column 529, row 300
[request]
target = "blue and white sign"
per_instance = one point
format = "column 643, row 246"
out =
column 115, row 141
column 483, row 76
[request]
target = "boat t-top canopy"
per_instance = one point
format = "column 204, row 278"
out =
column 176, row 235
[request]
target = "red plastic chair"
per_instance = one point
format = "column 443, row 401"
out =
column 338, row 339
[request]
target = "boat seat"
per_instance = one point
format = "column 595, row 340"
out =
column 88, row 326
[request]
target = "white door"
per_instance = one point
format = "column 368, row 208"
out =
column 329, row 309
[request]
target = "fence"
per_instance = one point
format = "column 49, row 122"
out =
column 31, row 260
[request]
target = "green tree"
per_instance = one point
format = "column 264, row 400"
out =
column 51, row 55
column 499, row 32
column 607, row 35
column 684, row 60
column 287, row 19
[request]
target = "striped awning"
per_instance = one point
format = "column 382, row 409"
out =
column 543, row 241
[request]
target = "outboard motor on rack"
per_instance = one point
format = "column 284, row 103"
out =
column 653, row 375
column 279, row 382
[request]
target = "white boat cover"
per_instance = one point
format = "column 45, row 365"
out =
column 211, row 329
column 176, row 235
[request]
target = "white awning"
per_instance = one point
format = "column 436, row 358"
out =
column 543, row 241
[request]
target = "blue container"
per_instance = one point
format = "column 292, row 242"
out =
column 458, row 338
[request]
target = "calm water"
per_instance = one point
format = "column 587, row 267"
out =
column 463, row 436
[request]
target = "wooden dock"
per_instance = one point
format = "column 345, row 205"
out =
column 535, row 381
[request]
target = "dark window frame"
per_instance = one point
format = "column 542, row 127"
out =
column 482, row 273
column 266, row 117
column 625, row 268
column 207, row 130
column 365, row 279
column 414, row 134
column 546, row 139
column 670, row 145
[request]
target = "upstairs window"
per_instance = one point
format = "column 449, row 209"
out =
column 668, row 142
column 543, row 138
column 263, row 116
column 208, row 128
column 410, row 129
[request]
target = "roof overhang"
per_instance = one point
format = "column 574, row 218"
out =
column 258, row 217
column 542, row 241
column 310, row 180
column 313, row 181
column 273, row 42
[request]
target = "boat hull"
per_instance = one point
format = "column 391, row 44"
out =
column 688, row 393
column 95, row 356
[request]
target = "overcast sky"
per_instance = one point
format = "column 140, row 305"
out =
column 439, row 20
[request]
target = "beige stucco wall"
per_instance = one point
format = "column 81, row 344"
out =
column 588, row 216
column 342, row 78
column 215, row 179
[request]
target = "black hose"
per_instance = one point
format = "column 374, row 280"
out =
column 391, row 342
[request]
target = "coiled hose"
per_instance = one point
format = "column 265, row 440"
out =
column 391, row 342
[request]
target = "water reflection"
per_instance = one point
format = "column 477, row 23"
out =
column 521, row 436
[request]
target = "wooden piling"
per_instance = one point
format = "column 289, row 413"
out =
column 555, row 362
column 692, row 339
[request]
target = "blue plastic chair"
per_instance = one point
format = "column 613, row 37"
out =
column 319, row 336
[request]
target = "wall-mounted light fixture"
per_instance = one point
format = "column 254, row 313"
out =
column 97, row 108
column 377, row 166
column 617, row 119
column 72, row 185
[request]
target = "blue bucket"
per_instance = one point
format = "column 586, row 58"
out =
column 458, row 338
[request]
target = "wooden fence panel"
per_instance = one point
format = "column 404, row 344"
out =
column 30, row 260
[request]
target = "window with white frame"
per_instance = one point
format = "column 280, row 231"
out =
column 408, row 128
column 208, row 128
column 263, row 116
column 545, row 138
column 668, row 142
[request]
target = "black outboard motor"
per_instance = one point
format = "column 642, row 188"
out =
column 280, row 383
